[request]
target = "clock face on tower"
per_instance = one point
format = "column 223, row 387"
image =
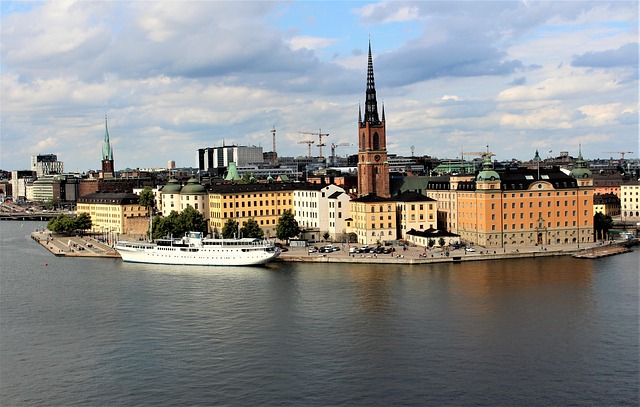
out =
column 376, row 157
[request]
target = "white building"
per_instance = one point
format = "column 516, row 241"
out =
column 630, row 200
column 46, row 164
column 322, row 208
column 219, row 157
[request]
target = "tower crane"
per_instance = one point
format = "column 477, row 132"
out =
column 622, row 153
column 333, row 151
column 309, row 142
column 275, row 155
column 476, row 153
column 320, row 144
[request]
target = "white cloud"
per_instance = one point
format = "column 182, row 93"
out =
column 182, row 75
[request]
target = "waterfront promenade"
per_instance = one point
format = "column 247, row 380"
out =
column 73, row 246
column 86, row 246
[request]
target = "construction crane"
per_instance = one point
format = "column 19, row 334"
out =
column 309, row 142
column 320, row 135
column 476, row 153
column 333, row 151
column 622, row 153
column 275, row 155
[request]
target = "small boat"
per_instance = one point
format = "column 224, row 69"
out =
column 194, row 249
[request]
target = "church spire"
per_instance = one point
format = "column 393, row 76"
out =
column 107, row 154
column 371, row 104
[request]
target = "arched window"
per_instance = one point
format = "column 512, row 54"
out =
column 364, row 144
column 376, row 141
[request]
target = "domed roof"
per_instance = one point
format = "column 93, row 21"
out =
column 581, row 170
column 172, row 187
column 193, row 187
column 487, row 173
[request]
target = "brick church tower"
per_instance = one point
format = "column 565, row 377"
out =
column 373, row 167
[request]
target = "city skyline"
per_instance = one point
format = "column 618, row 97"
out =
column 174, row 77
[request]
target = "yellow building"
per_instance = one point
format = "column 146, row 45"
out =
column 415, row 212
column 114, row 213
column 373, row 219
column 265, row 203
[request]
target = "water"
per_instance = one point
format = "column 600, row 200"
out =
column 554, row 331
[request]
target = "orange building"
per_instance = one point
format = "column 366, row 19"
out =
column 523, row 207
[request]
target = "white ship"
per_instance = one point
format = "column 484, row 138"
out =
column 193, row 249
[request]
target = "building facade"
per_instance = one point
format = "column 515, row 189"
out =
column 213, row 158
column 522, row 207
column 630, row 200
column 373, row 219
column 264, row 202
column 415, row 212
column 322, row 208
column 114, row 213
column 46, row 164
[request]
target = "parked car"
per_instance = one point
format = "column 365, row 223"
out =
column 313, row 249
column 470, row 249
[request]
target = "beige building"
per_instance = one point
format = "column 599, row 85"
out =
column 373, row 219
column 415, row 212
column 265, row 203
column 630, row 200
column 114, row 213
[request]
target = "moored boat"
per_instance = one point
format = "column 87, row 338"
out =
column 194, row 249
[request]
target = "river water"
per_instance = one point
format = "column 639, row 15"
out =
column 97, row 332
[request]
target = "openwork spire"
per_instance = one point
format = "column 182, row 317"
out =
column 371, row 104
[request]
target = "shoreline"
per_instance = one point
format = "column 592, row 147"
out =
column 86, row 246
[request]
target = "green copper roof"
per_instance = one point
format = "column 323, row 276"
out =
column 172, row 187
column 193, row 187
column 581, row 170
column 232, row 173
column 487, row 173
column 107, row 154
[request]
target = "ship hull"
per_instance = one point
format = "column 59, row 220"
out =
column 220, row 255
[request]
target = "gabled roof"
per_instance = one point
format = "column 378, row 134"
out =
column 372, row 198
column 410, row 196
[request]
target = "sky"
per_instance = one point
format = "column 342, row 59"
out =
column 453, row 76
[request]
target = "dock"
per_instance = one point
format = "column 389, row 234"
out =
column 73, row 246
column 602, row 251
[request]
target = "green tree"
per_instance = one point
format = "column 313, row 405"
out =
column 287, row 226
column 190, row 220
column 431, row 242
column 230, row 229
column 326, row 236
column 441, row 242
column 62, row 224
column 83, row 221
column 176, row 225
column 148, row 200
column 165, row 226
column 602, row 224
column 251, row 229
column 51, row 203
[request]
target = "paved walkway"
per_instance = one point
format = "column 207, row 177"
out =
column 421, row 255
column 73, row 246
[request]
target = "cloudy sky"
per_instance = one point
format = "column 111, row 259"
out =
column 174, row 76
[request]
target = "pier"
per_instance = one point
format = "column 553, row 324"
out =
column 597, row 252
